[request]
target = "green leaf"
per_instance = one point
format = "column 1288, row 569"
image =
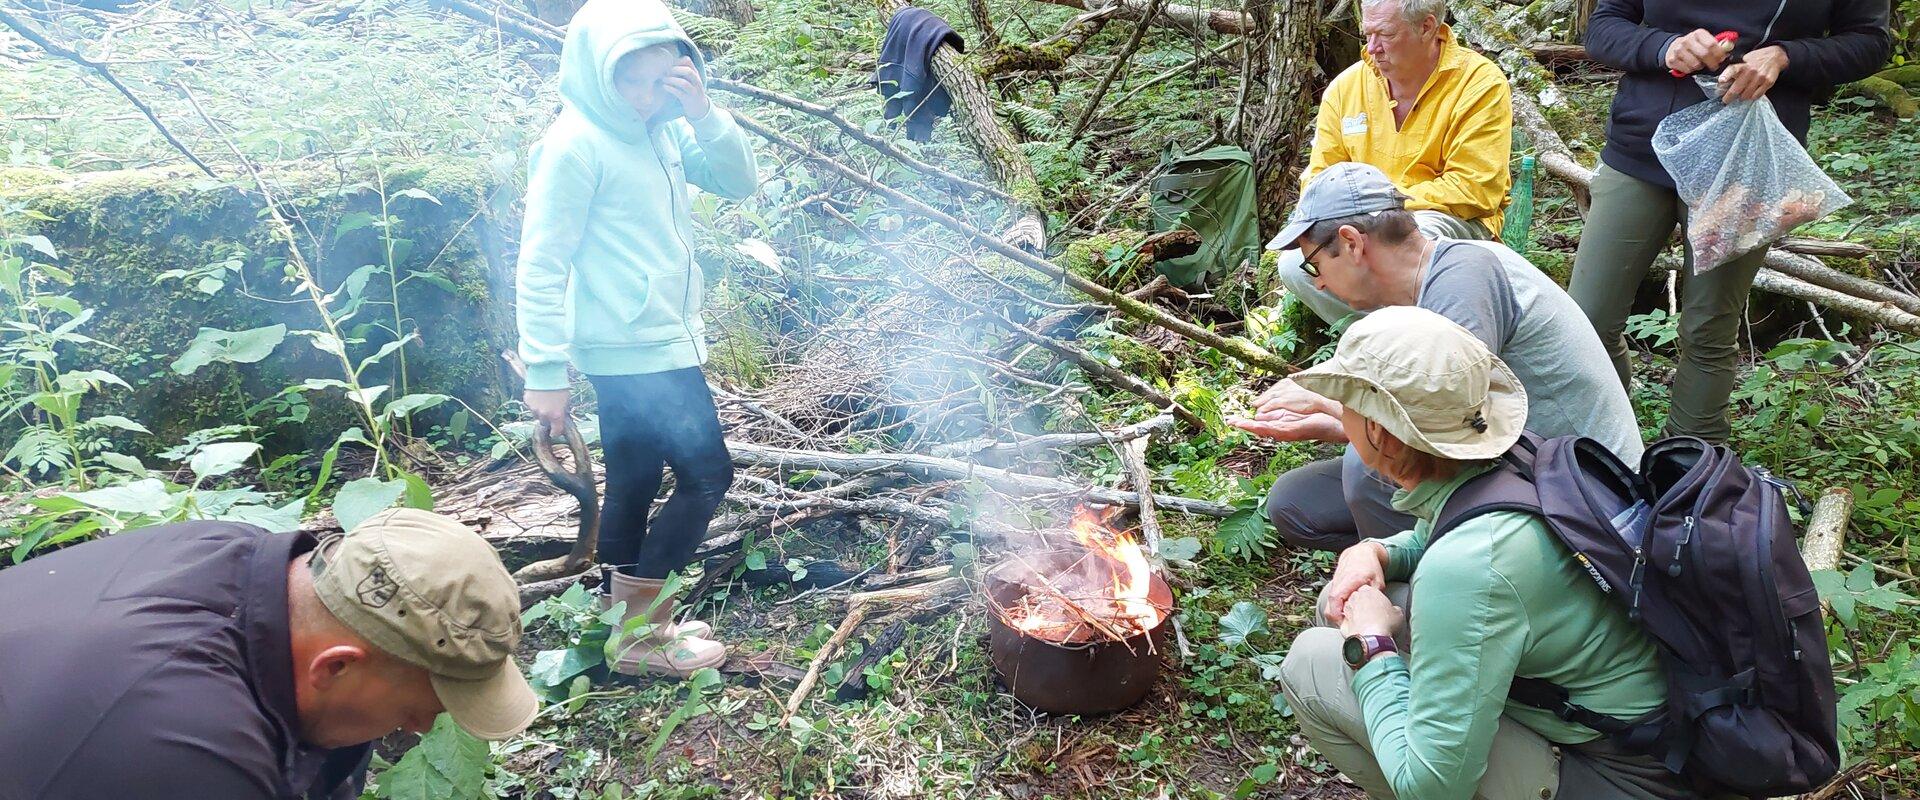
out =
column 419, row 494
column 366, row 396
column 418, row 194
column 552, row 669
column 405, row 406
column 286, row 517
column 756, row 560
column 238, row 347
column 447, row 764
column 1244, row 534
column 221, row 458
column 1184, row 548
column 1833, row 588
column 41, row 244
column 145, row 496
column 1243, row 620
column 124, row 463
column 117, row 421
column 352, row 222
column 363, row 498
column 384, row 351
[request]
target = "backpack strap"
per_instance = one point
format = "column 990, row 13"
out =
column 1507, row 487
column 1653, row 734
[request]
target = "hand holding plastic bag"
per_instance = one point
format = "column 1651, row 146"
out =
column 1746, row 181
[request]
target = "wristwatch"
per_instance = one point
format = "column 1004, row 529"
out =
column 1362, row 648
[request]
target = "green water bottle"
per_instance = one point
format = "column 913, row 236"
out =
column 1514, row 233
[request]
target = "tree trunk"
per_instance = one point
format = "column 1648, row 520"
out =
column 1279, row 89
column 556, row 12
column 738, row 12
column 1187, row 18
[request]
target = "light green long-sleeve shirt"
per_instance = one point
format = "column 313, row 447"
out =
column 1498, row 596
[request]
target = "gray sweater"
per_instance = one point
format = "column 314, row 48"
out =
column 1534, row 326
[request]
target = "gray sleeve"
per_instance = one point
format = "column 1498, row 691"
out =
column 1468, row 285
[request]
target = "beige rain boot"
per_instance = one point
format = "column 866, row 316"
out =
column 665, row 651
column 692, row 628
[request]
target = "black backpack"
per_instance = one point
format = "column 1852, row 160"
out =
column 1698, row 550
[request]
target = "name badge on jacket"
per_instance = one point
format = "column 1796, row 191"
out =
column 1354, row 125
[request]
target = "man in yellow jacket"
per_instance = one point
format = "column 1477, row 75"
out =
column 1432, row 114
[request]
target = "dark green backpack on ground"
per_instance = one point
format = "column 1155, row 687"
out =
column 1212, row 194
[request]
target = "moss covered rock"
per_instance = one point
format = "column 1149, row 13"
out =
column 120, row 232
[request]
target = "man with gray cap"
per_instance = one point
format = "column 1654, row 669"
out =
column 218, row 660
column 1362, row 246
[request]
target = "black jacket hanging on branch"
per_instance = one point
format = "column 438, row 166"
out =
column 905, row 77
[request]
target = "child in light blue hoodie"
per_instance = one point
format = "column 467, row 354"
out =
column 607, row 280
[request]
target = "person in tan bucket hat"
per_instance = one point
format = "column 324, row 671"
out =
column 432, row 596
column 218, row 660
column 1429, row 407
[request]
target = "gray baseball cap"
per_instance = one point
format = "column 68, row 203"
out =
column 1346, row 189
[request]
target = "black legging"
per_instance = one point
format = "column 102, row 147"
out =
column 647, row 422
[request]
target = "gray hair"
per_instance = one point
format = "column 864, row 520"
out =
column 1392, row 226
column 1413, row 12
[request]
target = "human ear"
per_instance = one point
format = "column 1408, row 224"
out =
column 328, row 667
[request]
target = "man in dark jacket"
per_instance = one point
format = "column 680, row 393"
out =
column 1790, row 53
column 217, row 660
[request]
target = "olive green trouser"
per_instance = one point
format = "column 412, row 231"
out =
column 1521, row 764
column 1319, row 686
column 1627, row 226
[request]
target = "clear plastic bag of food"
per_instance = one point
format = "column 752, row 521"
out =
column 1746, row 181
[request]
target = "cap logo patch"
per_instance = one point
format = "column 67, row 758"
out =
column 377, row 589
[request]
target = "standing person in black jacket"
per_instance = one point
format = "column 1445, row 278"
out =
column 1790, row 53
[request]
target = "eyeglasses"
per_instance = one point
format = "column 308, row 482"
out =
column 1307, row 265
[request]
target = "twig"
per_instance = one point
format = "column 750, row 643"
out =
column 1119, row 66
column 966, row 186
column 855, row 615
column 1094, row 367
column 1134, row 455
column 100, row 69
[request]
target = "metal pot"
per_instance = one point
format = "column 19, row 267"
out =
column 1086, row 674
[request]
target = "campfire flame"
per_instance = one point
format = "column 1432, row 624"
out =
column 1087, row 597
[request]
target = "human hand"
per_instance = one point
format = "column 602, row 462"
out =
column 1695, row 52
column 1364, row 564
column 1754, row 75
column 686, row 85
column 549, row 407
column 1290, row 426
column 1287, row 395
column 1370, row 613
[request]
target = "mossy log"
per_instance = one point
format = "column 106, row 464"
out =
column 1889, row 93
column 119, row 231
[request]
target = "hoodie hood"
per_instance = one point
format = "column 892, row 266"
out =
column 600, row 34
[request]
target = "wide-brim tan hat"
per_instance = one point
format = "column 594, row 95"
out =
column 496, row 707
column 1427, row 380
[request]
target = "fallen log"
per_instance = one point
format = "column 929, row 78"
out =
column 1814, row 272
column 1195, row 20
column 1822, row 247
column 988, row 448
column 1875, row 311
column 1826, row 535
column 933, row 468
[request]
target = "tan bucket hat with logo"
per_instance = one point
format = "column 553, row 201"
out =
column 431, row 592
column 1428, row 381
